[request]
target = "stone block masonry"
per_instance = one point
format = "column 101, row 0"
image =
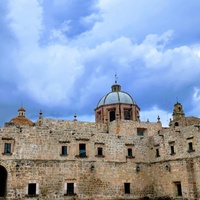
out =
column 122, row 159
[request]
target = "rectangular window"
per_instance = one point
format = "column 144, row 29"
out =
column 82, row 150
column 190, row 146
column 157, row 153
column 7, row 148
column 141, row 131
column 70, row 188
column 172, row 150
column 32, row 189
column 130, row 152
column 100, row 151
column 178, row 189
column 127, row 188
column 64, row 150
column 127, row 114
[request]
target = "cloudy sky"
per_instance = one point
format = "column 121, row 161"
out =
column 61, row 56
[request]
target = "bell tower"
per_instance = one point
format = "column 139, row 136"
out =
column 178, row 112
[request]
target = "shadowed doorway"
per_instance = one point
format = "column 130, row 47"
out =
column 3, row 180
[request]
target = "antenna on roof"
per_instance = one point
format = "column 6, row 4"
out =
column 116, row 77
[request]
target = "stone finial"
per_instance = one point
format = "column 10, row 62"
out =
column 116, row 77
column 75, row 117
column 40, row 113
column 158, row 119
column 40, row 118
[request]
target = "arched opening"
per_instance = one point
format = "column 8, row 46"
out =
column 112, row 116
column 3, row 181
column 176, row 124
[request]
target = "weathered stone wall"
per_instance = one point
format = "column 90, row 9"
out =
column 36, row 158
column 182, row 166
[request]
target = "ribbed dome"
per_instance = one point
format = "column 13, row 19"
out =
column 21, row 118
column 116, row 96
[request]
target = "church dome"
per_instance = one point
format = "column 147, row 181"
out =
column 21, row 118
column 116, row 96
column 116, row 105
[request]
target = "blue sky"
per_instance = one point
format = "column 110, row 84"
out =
column 61, row 56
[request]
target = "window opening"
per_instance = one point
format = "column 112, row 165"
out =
column 127, row 188
column 3, row 180
column 7, row 148
column 100, row 151
column 172, row 150
column 176, row 124
column 141, row 131
column 190, row 146
column 127, row 114
column 112, row 116
column 178, row 188
column 130, row 152
column 82, row 150
column 64, row 150
column 157, row 153
column 32, row 189
column 70, row 188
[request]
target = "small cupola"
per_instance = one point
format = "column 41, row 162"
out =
column 21, row 119
column 22, row 112
column 116, row 87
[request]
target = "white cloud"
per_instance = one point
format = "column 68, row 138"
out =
column 196, row 95
column 195, row 108
column 49, row 73
column 153, row 113
column 26, row 21
column 126, row 37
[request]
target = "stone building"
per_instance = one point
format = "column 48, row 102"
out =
column 116, row 157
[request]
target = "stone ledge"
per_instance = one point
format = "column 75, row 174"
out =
column 130, row 157
column 99, row 156
column 78, row 156
column 74, row 194
column 31, row 195
column 7, row 154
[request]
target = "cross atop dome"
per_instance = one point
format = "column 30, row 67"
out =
column 116, row 77
column 116, row 87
